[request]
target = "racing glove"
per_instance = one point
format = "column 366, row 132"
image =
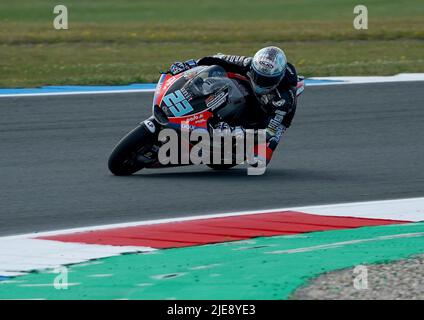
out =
column 178, row 67
column 225, row 128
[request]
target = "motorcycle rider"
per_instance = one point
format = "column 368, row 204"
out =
column 273, row 82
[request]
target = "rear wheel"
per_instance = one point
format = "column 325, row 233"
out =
column 125, row 157
column 221, row 166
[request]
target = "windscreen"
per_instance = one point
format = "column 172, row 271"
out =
column 205, row 82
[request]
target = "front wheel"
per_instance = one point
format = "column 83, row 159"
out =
column 124, row 159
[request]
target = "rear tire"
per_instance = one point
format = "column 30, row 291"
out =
column 221, row 166
column 122, row 161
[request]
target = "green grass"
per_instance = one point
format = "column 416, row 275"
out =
column 112, row 42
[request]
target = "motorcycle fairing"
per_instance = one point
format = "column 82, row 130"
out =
column 183, row 101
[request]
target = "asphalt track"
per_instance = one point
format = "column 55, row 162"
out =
column 347, row 143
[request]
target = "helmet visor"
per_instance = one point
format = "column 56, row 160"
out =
column 266, row 83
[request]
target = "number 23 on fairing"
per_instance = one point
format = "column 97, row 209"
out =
column 177, row 103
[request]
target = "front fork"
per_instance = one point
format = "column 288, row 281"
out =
column 150, row 158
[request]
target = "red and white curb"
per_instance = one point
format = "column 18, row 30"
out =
column 23, row 253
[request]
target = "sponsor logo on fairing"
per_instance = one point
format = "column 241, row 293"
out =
column 216, row 100
column 150, row 126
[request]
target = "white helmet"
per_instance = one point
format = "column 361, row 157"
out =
column 267, row 69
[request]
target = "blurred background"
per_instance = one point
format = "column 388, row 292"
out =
column 120, row 42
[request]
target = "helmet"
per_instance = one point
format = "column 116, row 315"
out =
column 267, row 69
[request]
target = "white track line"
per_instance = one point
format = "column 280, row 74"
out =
column 336, row 245
column 402, row 77
column 72, row 93
column 26, row 254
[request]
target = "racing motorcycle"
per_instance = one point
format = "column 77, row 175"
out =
column 199, row 98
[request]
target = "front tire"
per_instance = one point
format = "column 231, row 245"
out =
column 123, row 159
